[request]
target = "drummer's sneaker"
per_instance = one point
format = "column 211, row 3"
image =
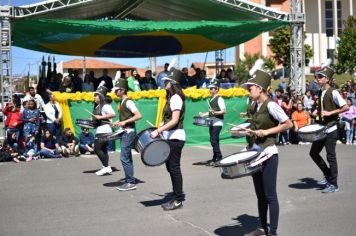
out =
column 126, row 187
column 323, row 181
column 103, row 171
column 330, row 189
column 259, row 232
column 172, row 205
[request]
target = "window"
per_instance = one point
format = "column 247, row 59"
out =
column 329, row 18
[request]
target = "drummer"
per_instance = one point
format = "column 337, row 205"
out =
column 217, row 110
column 327, row 114
column 128, row 115
column 172, row 130
column 268, row 119
column 102, row 114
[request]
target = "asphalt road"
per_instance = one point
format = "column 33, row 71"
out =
column 65, row 197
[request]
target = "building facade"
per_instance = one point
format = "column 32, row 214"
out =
column 320, row 19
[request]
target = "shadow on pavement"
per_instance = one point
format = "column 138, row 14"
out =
column 114, row 169
column 306, row 183
column 245, row 225
column 157, row 202
column 200, row 163
column 120, row 182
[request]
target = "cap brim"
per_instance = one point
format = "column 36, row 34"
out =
column 320, row 73
column 212, row 86
column 166, row 78
column 249, row 84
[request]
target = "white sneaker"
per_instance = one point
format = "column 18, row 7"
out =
column 103, row 171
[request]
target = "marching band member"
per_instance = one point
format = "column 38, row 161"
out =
column 172, row 130
column 102, row 114
column 128, row 115
column 330, row 104
column 217, row 110
column 267, row 120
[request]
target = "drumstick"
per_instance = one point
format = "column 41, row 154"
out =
column 232, row 124
column 148, row 122
column 104, row 121
column 89, row 112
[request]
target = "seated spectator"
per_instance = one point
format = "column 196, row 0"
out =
column 88, row 85
column 7, row 153
column 202, row 81
column 348, row 118
column 31, row 150
column 69, row 143
column 49, row 146
column 66, row 85
column 186, row 78
column 76, row 82
column 148, row 82
column 86, row 141
column 12, row 142
column 161, row 75
column 36, row 97
column 31, row 118
column 300, row 118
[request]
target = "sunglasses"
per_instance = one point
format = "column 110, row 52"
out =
column 212, row 88
column 319, row 76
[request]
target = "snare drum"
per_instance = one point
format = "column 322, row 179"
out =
column 239, row 165
column 238, row 132
column 203, row 121
column 112, row 136
column 154, row 151
column 85, row 123
column 311, row 133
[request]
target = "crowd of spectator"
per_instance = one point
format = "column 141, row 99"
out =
column 300, row 110
column 33, row 130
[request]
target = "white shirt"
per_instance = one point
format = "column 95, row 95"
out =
column 105, row 128
column 50, row 112
column 338, row 100
column 221, row 104
column 176, row 103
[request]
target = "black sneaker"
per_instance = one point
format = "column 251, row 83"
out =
column 172, row 205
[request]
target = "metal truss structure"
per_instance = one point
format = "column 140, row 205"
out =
column 254, row 8
column 297, row 55
column 219, row 61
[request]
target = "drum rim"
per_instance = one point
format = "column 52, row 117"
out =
column 219, row 164
column 160, row 163
column 252, row 172
column 322, row 128
column 139, row 134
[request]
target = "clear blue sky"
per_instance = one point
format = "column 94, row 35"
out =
column 25, row 60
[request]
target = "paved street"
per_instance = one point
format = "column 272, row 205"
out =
column 65, row 197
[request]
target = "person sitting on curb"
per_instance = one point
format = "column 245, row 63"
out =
column 69, row 143
column 49, row 146
column 31, row 150
column 86, row 141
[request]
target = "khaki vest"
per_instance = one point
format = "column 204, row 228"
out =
column 167, row 116
column 215, row 106
column 262, row 120
column 125, row 114
column 328, row 105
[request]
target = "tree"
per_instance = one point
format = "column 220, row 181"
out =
column 346, row 50
column 280, row 46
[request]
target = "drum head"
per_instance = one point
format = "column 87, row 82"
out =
column 156, row 153
column 240, row 157
column 311, row 128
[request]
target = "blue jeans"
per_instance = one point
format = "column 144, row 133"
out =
column 49, row 154
column 83, row 148
column 14, row 130
column 127, row 142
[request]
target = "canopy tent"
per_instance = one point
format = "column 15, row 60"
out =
column 132, row 39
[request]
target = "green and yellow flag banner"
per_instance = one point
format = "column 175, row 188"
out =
column 133, row 39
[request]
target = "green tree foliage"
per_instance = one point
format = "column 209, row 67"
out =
column 280, row 46
column 346, row 50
